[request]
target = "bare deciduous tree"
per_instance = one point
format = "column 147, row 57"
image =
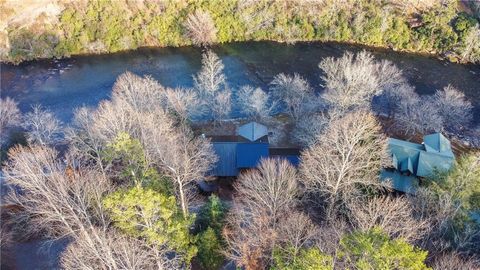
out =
column 272, row 188
column 9, row 116
column 42, row 127
column 439, row 211
column 168, row 145
column 110, row 118
column 222, row 105
column 255, row 103
column 121, row 252
column 308, row 127
column 211, row 85
column 453, row 107
column 85, row 141
column 265, row 196
column 141, row 93
column 389, row 75
column 454, row 261
column 294, row 93
column 297, row 231
column 200, row 28
column 180, row 155
column 394, row 97
column 350, row 152
column 61, row 203
column 249, row 237
column 184, row 103
column 387, row 213
column 210, row 79
column 418, row 115
column 144, row 94
column 352, row 80
column 9, row 113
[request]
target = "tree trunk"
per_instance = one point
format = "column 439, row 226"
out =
column 182, row 199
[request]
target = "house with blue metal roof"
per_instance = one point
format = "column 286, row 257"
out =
column 245, row 150
column 412, row 160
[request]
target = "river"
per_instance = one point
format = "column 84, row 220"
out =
column 63, row 85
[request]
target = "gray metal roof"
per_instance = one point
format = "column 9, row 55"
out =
column 422, row 159
column 253, row 131
column 437, row 143
column 400, row 182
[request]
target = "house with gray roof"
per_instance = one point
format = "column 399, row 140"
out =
column 412, row 160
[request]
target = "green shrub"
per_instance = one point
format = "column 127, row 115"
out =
column 153, row 216
column 463, row 23
column 461, row 183
column 210, row 223
column 209, row 249
column 212, row 215
column 306, row 259
column 374, row 249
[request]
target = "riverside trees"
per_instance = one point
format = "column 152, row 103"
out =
column 136, row 145
column 200, row 28
column 109, row 26
column 352, row 81
column 9, row 117
column 210, row 84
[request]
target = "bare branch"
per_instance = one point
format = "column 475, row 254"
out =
column 349, row 153
column 65, row 201
column 9, row 113
column 9, row 117
column 387, row 213
column 200, row 28
column 294, row 93
column 418, row 115
column 352, row 80
column 265, row 197
column 255, row 103
column 308, row 128
column 454, row 108
column 42, row 127
column 210, row 79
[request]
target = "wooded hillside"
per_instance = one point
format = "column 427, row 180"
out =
column 59, row 28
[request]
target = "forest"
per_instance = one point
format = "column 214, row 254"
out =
column 448, row 28
column 122, row 186
column 120, row 183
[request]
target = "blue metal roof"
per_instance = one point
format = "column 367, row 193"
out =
column 227, row 159
column 233, row 156
column 293, row 159
column 250, row 154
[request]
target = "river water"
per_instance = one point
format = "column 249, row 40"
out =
column 62, row 85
